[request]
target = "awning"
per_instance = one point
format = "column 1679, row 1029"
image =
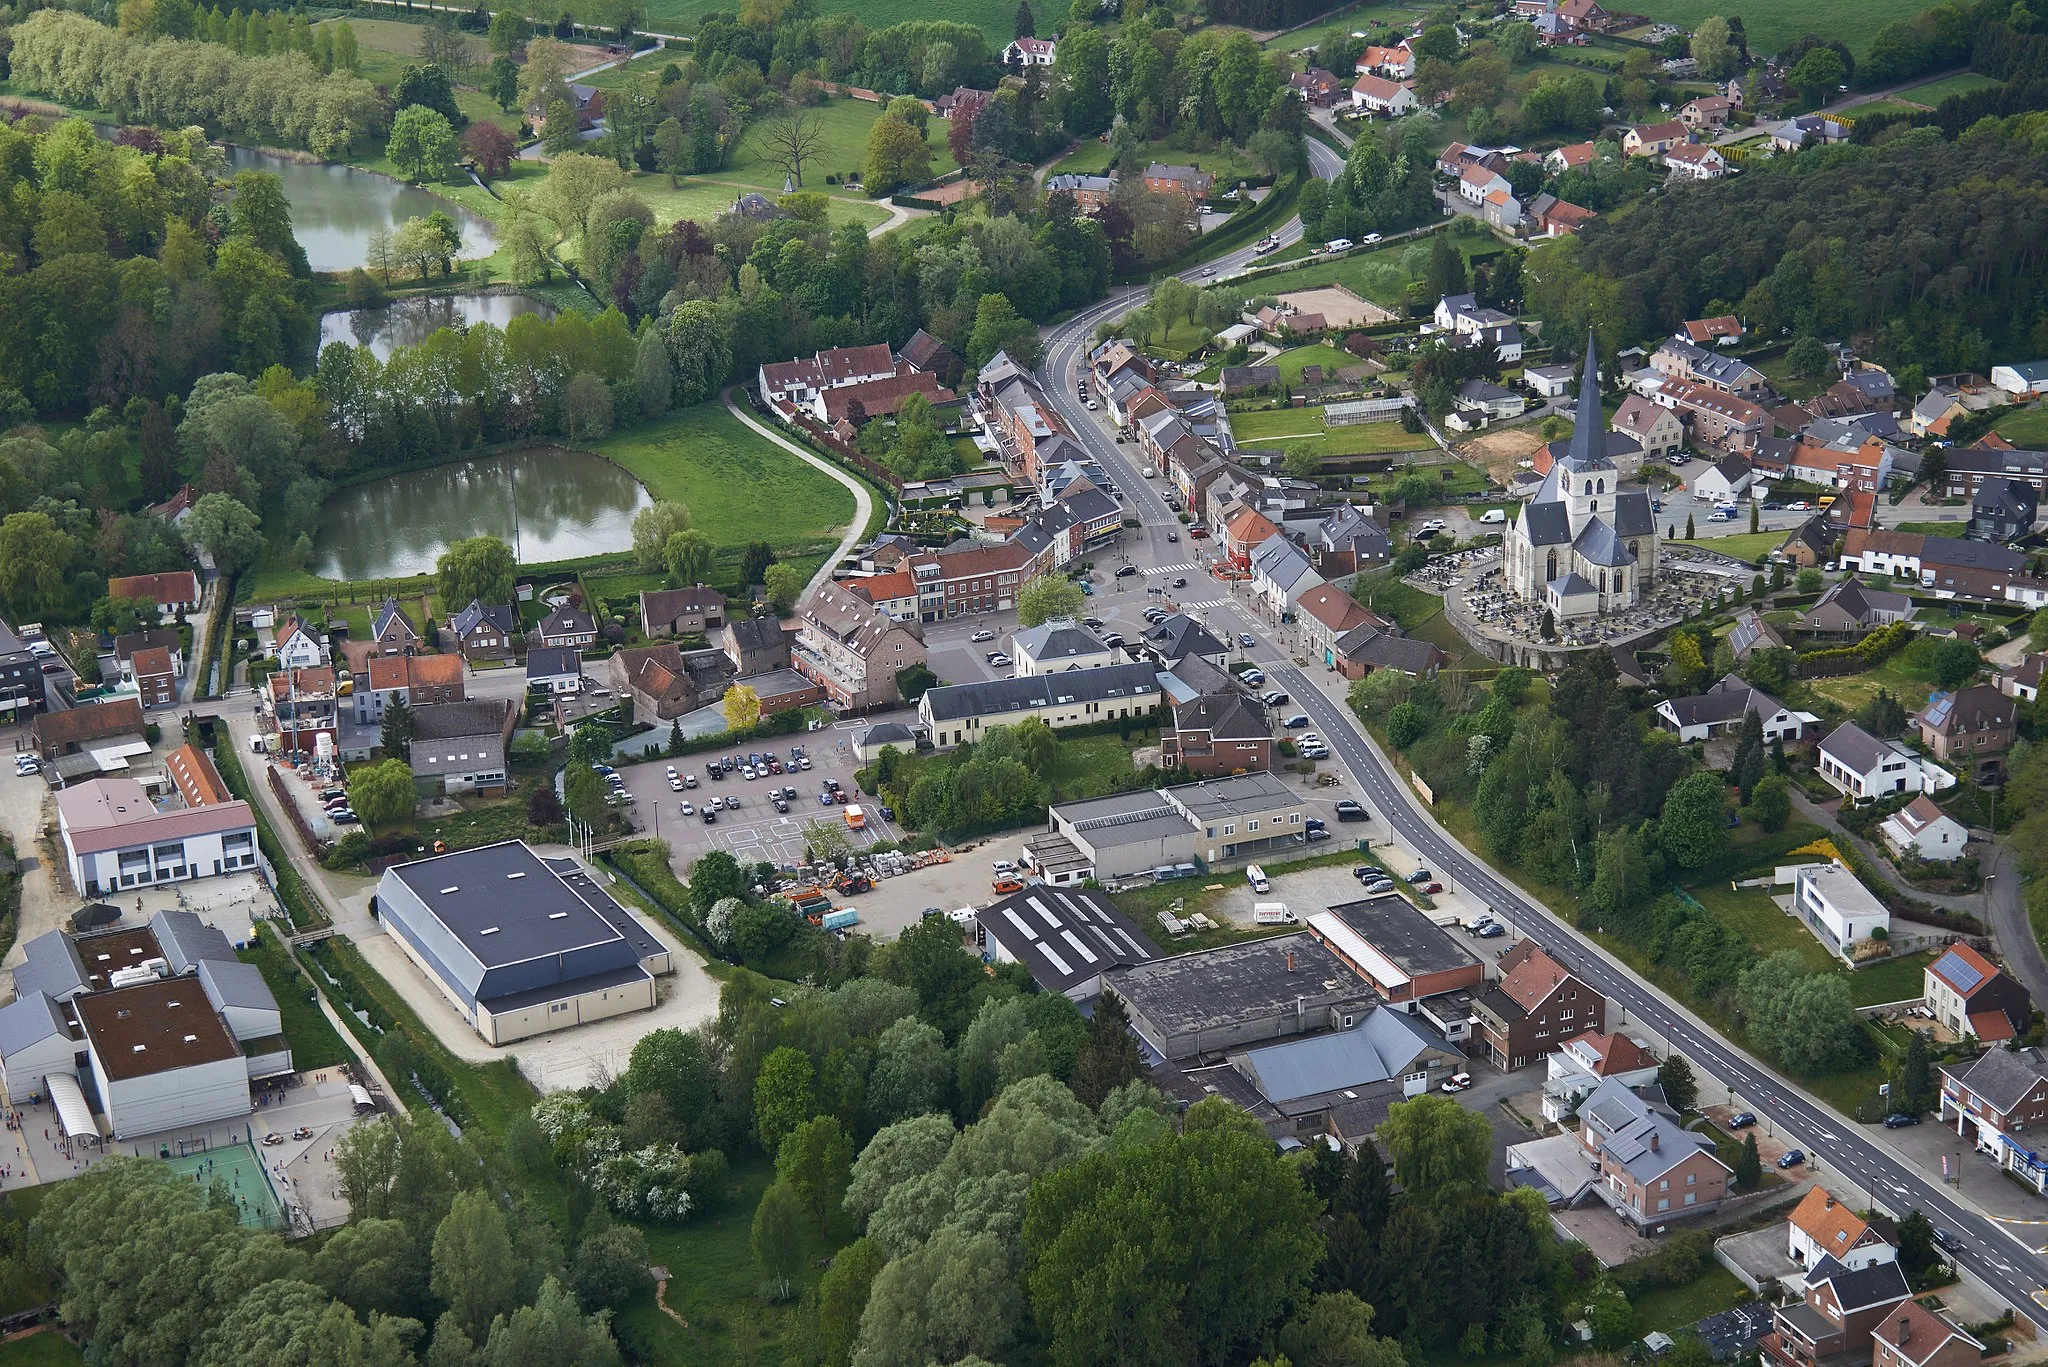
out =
column 116, row 757
column 72, row 1112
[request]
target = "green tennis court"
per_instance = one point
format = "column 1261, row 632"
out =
column 237, row 1167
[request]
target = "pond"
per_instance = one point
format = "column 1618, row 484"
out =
column 336, row 208
column 547, row 504
column 408, row 322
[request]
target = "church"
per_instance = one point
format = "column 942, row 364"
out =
column 1583, row 546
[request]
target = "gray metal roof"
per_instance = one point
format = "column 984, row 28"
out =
column 887, row 733
column 1546, row 520
column 1383, row 1046
column 500, row 903
column 51, row 966
column 1597, row 544
column 232, row 983
column 1065, row 936
column 29, row 1019
column 187, row 941
column 1726, row 701
column 994, row 697
column 1247, row 794
column 1058, row 639
column 1122, row 819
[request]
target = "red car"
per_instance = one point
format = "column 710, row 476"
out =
column 1432, row 888
column 1198, row 533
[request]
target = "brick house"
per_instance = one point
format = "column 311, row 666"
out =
column 156, row 678
column 1991, row 1099
column 1969, row 723
column 422, row 680
column 681, row 612
column 1217, row 734
column 852, row 650
column 1835, row 1322
column 1650, row 1170
column 486, row 631
column 173, row 591
column 1537, row 1005
column 1913, row 1336
column 1972, row 997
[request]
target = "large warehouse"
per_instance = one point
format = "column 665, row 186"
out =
column 521, row 945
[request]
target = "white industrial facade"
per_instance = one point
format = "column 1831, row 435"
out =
column 115, row 837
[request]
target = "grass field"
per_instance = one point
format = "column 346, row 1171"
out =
column 1882, row 107
column 385, row 46
column 47, row 1349
column 1328, row 357
column 1742, row 545
column 1385, row 594
column 2028, row 427
column 738, row 487
column 1894, row 980
column 311, row 1035
column 1772, row 29
column 1680, row 1307
column 1934, row 92
column 1380, row 276
column 996, row 18
column 1225, row 163
column 1853, row 690
column 1751, row 913
column 1291, row 429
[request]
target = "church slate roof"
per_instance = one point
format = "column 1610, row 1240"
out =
column 1571, row 584
column 1597, row 544
column 1632, row 515
column 1548, row 523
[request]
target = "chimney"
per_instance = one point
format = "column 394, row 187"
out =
column 1829, row 1201
column 1905, row 1328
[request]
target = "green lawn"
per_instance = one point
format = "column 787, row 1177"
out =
column 704, row 198
column 1742, row 545
column 1226, row 163
column 1385, row 594
column 1880, row 107
column 1751, row 913
column 1894, row 980
column 2026, row 427
column 47, row 1349
column 1934, row 92
column 1769, row 30
column 1951, row 529
column 1380, row 276
column 843, row 126
column 1680, row 1307
column 996, row 18
column 1328, row 357
column 738, row 486
column 311, row 1035
column 1289, row 429
column 1455, row 478
column 1851, row 691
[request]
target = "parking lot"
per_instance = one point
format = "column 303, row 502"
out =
column 756, row 831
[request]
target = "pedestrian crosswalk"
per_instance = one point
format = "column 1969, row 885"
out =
column 1205, row 603
column 1171, row 569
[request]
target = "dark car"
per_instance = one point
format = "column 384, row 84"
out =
column 1126, row 571
column 1948, row 1239
column 888, row 813
column 710, row 817
column 1741, row 1120
column 1315, row 833
column 1181, row 582
column 1316, row 823
column 1347, row 810
column 1899, row 1120
column 1793, row 1158
column 1173, row 536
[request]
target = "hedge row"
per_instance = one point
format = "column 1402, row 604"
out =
column 1872, row 651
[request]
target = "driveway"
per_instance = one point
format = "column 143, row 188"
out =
column 863, row 502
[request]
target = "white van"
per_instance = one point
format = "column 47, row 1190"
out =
column 1256, row 876
column 1339, row 244
column 1493, row 517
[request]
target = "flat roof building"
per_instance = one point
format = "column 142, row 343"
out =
column 519, row 944
column 1399, row 950
column 1219, row 1000
column 114, row 837
column 1214, row 821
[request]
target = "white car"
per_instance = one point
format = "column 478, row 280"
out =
column 687, row 809
column 983, row 635
column 1370, row 238
column 675, row 785
column 1457, row 1082
column 1435, row 524
column 1003, row 866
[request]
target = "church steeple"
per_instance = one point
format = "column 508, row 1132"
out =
column 1588, row 449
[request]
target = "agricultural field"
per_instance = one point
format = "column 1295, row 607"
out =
column 1774, row 28
column 1934, row 92
column 384, row 47
column 2026, row 427
column 1291, row 429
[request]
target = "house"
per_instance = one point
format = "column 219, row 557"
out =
column 1928, row 558
column 926, row 353
column 2022, row 680
column 1849, row 610
column 1718, row 419
column 1691, row 161
column 1678, row 359
column 756, row 645
column 1489, row 399
column 2003, row 509
column 1348, row 542
column 156, row 677
column 797, row 383
column 1217, row 734
column 1991, row 1100
column 1861, row 766
column 554, row 669
column 1246, row 531
column 1316, row 86
column 1838, row 1317
column 1971, row 996
column 129, row 643
column 1707, row 112
column 665, row 681
column 306, row 706
column 1327, row 614
column 1239, row 380
column 1752, row 633
column 173, row 591
column 955, row 714
column 1189, row 182
column 1654, row 139
column 1178, row 637
column 1378, row 95
column 568, row 628
column 1822, row 1226
column 1059, row 645
column 1653, row 427
column 1090, row 193
column 1548, row 381
column 1726, row 480
column 1719, row 712
column 459, row 747
column 486, row 632
column 1651, row 1170
column 2022, row 378
column 1550, row 216
column 1924, row 831
column 1808, row 130
column 393, row 631
column 422, row 680
column 1023, row 52
column 1366, row 648
column 853, row 651
column 1932, row 415
column 1570, row 157
column 1281, row 574
column 694, row 611
column 1914, row 1336
column 1579, row 1065
column 115, row 838
column 1396, row 62
column 298, row 646
column 1969, row 723
column 1536, row 1006
column 1839, row 910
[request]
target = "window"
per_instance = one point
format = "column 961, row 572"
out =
column 1294, row 819
column 1691, row 1197
column 1230, row 828
column 1692, row 1179
column 1663, row 1203
column 1252, row 825
column 1664, row 1185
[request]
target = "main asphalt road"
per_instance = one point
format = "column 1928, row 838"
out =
column 2000, row 1253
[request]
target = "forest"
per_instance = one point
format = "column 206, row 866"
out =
column 1929, row 252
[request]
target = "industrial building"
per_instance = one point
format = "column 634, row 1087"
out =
column 159, row 1027
column 115, row 837
column 1398, row 949
column 519, row 944
column 1217, row 1000
column 1213, row 821
column 1068, row 937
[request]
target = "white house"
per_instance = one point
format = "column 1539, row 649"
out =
column 1840, row 911
column 1720, row 710
column 298, row 647
column 1724, row 481
column 1821, row 1226
column 1060, row 645
column 1864, row 767
column 1694, row 161
column 1925, row 831
column 2021, row 378
column 115, row 838
column 1378, row 95
column 1483, row 396
column 1580, row 1065
column 1031, row 52
column 1548, row 381
column 1281, row 573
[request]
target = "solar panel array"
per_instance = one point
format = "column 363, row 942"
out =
column 1958, row 972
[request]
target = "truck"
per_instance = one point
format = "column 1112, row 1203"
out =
column 840, row 919
column 1272, row 914
column 1256, row 876
column 856, row 819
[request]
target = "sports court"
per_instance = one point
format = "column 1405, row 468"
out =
column 238, row 1167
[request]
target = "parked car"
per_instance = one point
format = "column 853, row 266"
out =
column 1348, row 810
column 1492, row 930
column 997, row 657
column 1432, row 888
column 1274, row 699
column 1296, row 722
column 1421, row 876
column 1457, row 1082
column 1899, row 1120
column 1126, row 571
column 1793, row 1158
column 686, row 809
column 1741, row 1120
column 1253, row 677
column 710, row 817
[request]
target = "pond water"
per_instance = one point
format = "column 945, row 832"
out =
column 336, row 208
column 547, row 504
column 408, row 322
